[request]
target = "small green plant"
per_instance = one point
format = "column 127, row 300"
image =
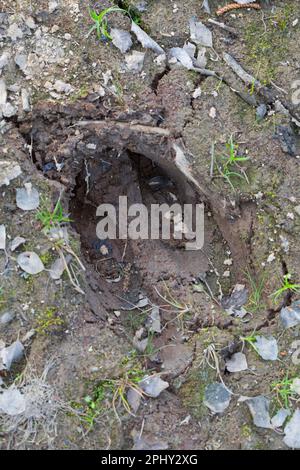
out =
column 112, row 393
column 283, row 391
column 251, row 340
column 257, row 286
column 51, row 218
column 230, row 168
column 101, row 23
column 48, row 322
column 287, row 286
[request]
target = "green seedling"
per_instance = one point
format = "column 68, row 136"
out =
column 230, row 164
column 51, row 218
column 283, row 391
column 257, row 286
column 251, row 340
column 101, row 23
column 287, row 286
column 112, row 393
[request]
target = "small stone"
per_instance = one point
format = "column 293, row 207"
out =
column 259, row 409
column 30, row 262
column 2, row 237
column 217, row 397
column 8, row 110
column 153, row 385
column 200, row 34
column 12, row 402
column 212, row 112
column 25, row 100
column 4, row 60
column 153, row 323
column 295, row 386
column 121, row 39
column 11, row 354
column 62, row 87
column 278, row 420
column 21, row 62
column 197, row 93
column 52, row 6
column 271, row 258
column 297, row 210
column 14, row 32
column 290, row 316
column 27, row 198
column 267, row 348
column 68, row 36
column 3, row 93
column 8, row 171
column 292, row 431
column 6, row 318
column 29, row 21
column 237, row 363
column 261, row 112
column 16, row 243
column 135, row 61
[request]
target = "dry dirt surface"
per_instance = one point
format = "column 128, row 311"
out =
column 141, row 344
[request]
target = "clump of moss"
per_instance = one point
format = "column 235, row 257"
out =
column 49, row 321
column 260, row 38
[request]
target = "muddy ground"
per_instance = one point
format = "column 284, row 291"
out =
column 105, row 131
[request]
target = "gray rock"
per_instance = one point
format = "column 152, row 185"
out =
column 4, row 60
column 27, row 198
column 8, row 171
column 135, row 61
column 6, row 318
column 267, row 348
column 8, row 110
column 233, row 304
column 3, row 92
column 181, row 56
column 21, row 62
column 292, row 431
column 237, row 363
column 200, row 34
column 62, row 87
column 11, row 354
column 295, row 386
column 16, row 242
column 25, row 97
column 52, row 6
column 14, row 32
column 259, row 409
column 216, row 397
column 2, row 237
column 145, row 39
column 134, row 399
column 153, row 385
column 12, row 402
column 153, row 322
column 121, row 39
column 287, row 139
column 30, row 262
column 290, row 316
column 261, row 112
column 278, row 420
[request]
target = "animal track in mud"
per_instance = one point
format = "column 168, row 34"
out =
column 105, row 160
